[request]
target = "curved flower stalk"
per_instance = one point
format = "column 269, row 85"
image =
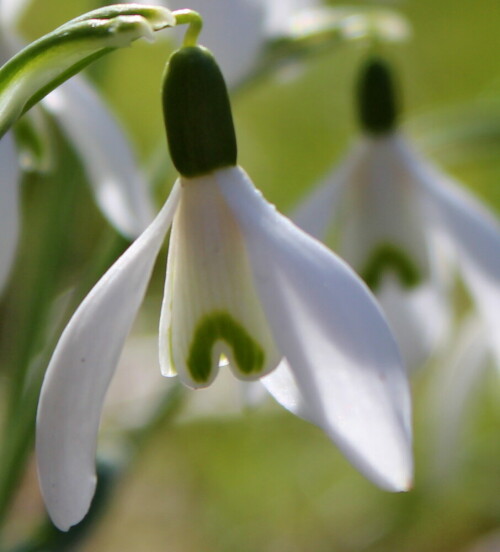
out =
column 409, row 227
column 243, row 282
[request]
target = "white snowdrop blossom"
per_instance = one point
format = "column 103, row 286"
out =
column 407, row 228
column 243, row 283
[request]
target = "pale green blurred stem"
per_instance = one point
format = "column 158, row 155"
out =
column 195, row 22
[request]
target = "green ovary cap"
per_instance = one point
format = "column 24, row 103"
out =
column 197, row 113
column 376, row 96
column 389, row 258
column 220, row 326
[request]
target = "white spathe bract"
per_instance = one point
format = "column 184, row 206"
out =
column 385, row 194
column 243, row 282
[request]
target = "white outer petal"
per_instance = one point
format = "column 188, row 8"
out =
column 117, row 183
column 473, row 231
column 80, row 371
column 9, row 206
column 348, row 376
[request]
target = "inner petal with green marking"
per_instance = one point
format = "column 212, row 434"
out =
column 245, row 353
column 390, row 258
column 211, row 308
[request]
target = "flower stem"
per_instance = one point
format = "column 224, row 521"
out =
column 195, row 22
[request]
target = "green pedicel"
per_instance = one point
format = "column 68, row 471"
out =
column 221, row 326
column 385, row 258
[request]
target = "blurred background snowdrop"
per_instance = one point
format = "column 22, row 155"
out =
column 256, row 479
column 405, row 226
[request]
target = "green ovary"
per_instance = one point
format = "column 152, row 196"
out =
column 385, row 258
column 220, row 326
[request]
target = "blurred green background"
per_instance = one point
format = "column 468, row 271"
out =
column 262, row 480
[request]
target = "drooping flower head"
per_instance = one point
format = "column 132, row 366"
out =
column 405, row 226
column 242, row 281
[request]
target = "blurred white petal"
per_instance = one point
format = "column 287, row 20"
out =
column 210, row 305
column 11, row 11
column 9, row 206
column 344, row 362
column 80, row 371
column 252, row 393
column 381, row 206
column 460, row 369
column 232, row 29
column 473, row 231
column 318, row 212
column 137, row 386
column 419, row 318
column 118, row 185
column 279, row 14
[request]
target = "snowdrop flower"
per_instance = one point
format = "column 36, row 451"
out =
column 242, row 282
column 107, row 157
column 406, row 227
